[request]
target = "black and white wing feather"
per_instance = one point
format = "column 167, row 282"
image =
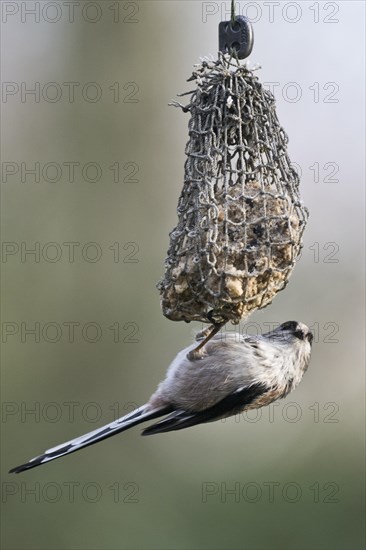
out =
column 230, row 405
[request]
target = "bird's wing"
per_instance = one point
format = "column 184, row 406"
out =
column 230, row 405
column 128, row 421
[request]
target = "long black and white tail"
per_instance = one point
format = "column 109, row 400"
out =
column 124, row 423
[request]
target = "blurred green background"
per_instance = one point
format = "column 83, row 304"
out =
column 103, row 73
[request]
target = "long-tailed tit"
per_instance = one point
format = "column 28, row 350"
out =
column 232, row 374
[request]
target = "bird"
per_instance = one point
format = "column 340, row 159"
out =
column 231, row 374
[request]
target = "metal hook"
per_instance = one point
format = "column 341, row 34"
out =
column 237, row 36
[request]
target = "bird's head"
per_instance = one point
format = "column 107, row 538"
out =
column 292, row 330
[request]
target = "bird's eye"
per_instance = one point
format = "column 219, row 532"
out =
column 299, row 334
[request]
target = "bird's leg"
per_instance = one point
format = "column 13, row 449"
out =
column 208, row 333
column 203, row 333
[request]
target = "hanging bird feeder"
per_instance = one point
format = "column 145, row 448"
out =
column 240, row 216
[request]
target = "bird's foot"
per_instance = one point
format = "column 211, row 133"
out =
column 199, row 352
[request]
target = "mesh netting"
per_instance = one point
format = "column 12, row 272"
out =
column 240, row 218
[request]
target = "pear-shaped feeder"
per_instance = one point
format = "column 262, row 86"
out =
column 240, row 216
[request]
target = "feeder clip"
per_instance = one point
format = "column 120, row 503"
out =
column 236, row 35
